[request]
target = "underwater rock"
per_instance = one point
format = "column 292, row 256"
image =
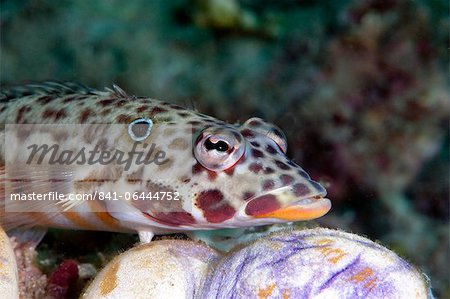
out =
column 314, row 263
column 160, row 269
column 32, row 281
column 311, row 263
column 9, row 280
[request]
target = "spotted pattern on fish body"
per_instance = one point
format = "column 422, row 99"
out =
column 237, row 175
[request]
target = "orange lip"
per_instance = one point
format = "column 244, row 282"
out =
column 297, row 213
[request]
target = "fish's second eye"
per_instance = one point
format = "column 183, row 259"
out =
column 140, row 129
column 218, row 149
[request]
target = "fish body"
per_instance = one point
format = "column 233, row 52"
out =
column 223, row 175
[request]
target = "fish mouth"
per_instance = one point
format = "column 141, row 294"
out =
column 282, row 204
column 305, row 209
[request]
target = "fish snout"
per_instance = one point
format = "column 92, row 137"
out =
column 302, row 200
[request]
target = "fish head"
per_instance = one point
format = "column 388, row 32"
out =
column 252, row 180
column 231, row 176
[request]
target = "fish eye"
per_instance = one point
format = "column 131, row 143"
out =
column 268, row 129
column 280, row 139
column 220, row 145
column 140, row 129
column 218, row 149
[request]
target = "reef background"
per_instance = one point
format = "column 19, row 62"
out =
column 359, row 87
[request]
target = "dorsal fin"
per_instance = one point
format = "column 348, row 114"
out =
column 46, row 88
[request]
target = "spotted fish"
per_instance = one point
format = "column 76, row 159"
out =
column 224, row 175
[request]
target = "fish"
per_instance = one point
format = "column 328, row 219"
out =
column 222, row 175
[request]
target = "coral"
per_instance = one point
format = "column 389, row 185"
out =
column 61, row 278
column 319, row 263
column 161, row 269
column 316, row 263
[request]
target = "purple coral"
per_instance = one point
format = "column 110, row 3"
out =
column 317, row 263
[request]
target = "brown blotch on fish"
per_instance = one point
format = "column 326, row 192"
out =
column 169, row 131
column 197, row 168
column 157, row 110
column 229, row 171
column 91, row 134
column 70, row 99
column 255, row 167
column 106, row 112
column 120, row 103
column 178, row 144
column 185, row 180
column 45, row 100
column 24, row 133
column 123, row 118
column 268, row 170
column 270, row 149
column 300, row 189
column 183, row 114
column 281, row 165
column 56, row 114
column 194, row 122
column 142, row 109
column 257, row 153
column 268, row 185
column 255, row 144
column 102, row 144
column 167, row 163
column 136, row 176
column 21, row 113
column 84, row 116
column 247, row 195
column 215, row 208
column 254, row 123
column 286, row 179
column 247, row 133
column 212, row 175
column 162, row 205
column 60, row 136
column 106, row 102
